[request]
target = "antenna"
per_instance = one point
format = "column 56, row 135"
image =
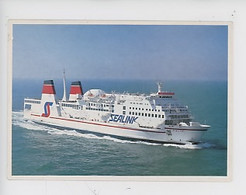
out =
column 64, row 87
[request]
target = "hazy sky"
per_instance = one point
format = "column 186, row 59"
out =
column 120, row 52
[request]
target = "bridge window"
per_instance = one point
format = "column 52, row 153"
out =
column 28, row 106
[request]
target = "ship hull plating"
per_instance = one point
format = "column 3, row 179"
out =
column 171, row 135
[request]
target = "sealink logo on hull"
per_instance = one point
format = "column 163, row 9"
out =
column 122, row 118
column 47, row 109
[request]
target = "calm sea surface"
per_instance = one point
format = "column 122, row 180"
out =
column 42, row 150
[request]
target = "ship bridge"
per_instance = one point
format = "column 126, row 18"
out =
column 162, row 94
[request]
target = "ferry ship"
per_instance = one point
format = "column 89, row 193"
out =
column 156, row 117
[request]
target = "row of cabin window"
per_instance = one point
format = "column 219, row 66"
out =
column 173, row 111
column 98, row 109
column 179, row 116
column 32, row 101
column 169, row 105
column 73, row 106
column 169, row 122
column 100, row 105
column 133, row 108
column 146, row 114
column 139, row 103
column 87, row 108
column 165, row 96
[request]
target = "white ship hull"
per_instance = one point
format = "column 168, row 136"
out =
column 178, row 135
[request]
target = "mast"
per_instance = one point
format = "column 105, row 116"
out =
column 64, row 87
column 159, row 84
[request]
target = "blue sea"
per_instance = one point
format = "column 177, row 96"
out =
column 43, row 150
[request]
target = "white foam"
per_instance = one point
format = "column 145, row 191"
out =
column 191, row 146
column 128, row 141
column 18, row 120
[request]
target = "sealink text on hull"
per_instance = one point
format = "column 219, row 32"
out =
column 156, row 117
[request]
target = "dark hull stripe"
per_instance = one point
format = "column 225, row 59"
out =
column 185, row 129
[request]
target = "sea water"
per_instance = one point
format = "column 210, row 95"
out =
column 43, row 150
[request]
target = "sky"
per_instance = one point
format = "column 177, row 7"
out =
column 130, row 52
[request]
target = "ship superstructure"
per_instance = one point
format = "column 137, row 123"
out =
column 157, row 117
